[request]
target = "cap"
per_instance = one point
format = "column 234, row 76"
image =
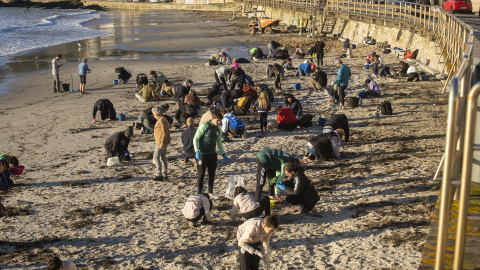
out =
column 129, row 131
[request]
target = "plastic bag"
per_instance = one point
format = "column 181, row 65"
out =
column 233, row 182
column 113, row 161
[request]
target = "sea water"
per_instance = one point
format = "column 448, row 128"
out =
column 25, row 29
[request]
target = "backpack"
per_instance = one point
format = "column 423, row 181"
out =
column 190, row 110
column 386, row 108
column 242, row 102
column 306, row 121
column 408, row 55
column 414, row 54
column 385, row 51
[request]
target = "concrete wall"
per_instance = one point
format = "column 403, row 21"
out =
column 288, row 16
column 404, row 38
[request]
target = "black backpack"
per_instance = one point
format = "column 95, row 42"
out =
column 306, row 120
column 386, row 108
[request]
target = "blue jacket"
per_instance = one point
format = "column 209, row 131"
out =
column 343, row 75
column 229, row 119
column 82, row 69
column 305, row 67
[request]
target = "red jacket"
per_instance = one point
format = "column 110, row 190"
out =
column 286, row 116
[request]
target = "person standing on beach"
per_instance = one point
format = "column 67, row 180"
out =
column 187, row 140
column 250, row 235
column 161, row 132
column 318, row 49
column 82, row 72
column 56, row 74
column 262, row 105
column 343, row 77
column 207, row 137
column 270, row 165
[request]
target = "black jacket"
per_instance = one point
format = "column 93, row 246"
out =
column 321, row 78
column 124, row 75
column 294, row 105
column 318, row 47
column 180, row 92
column 187, row 141
column 147, row 114
column 117, row 144
column 301, row 186
column 339, row 121
column 106, row 109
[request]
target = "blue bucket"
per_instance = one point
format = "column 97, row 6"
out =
column 425, row 77
column 121, row 117
column 354, row 46
column 322, row 121
column 297, row 86
column 115, row 82
column 366, row 67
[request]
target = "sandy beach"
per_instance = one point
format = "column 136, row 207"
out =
column 374, row 209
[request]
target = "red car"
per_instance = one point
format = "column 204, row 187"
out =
column 458, row 5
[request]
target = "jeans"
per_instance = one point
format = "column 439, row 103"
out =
column 320, row 59
column 160, row 160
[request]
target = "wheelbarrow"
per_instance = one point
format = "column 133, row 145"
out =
column 264, row 25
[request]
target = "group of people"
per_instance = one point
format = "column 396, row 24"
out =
column 235, row 94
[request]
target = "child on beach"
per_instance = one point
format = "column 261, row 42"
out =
column 232, row 126
column 198, row 207
column 117, row 144
column 207, row 138
column 123, row 75
column 250, row 235
column 82, row 72
column 270, row 164
column 187, row 140
column 107, row 112
column 299, row 189
column 372, row 90
column 325, row 145
column 8, row 164
column 245, row 205
column 262, row 105
column 56, row 263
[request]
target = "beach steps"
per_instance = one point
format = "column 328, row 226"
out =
column 472, row 238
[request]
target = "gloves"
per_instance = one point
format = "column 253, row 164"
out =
column 161, row 94
column 197, row 155
column 225, row 157
column 341, row 157
column 272, row 181
column 127, row 153
column 281, row 186
column 94, row 120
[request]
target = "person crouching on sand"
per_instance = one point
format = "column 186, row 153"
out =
column 245, row 205
column 250, row 235
column 107, row 112
column 198, row 207
column 299, row 189
column 325, row 145
column 117, row 144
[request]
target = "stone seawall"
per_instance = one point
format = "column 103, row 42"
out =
column 405, row 38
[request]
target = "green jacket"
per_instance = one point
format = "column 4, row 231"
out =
column 275, row 159
column 147, row 92
column 207, row 136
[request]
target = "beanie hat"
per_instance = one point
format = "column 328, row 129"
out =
column 129, row 131
column 235, row 64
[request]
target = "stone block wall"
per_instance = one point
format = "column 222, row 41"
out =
column 403, row 38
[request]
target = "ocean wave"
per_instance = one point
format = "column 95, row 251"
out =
column 50, row 20
column 45, row 28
